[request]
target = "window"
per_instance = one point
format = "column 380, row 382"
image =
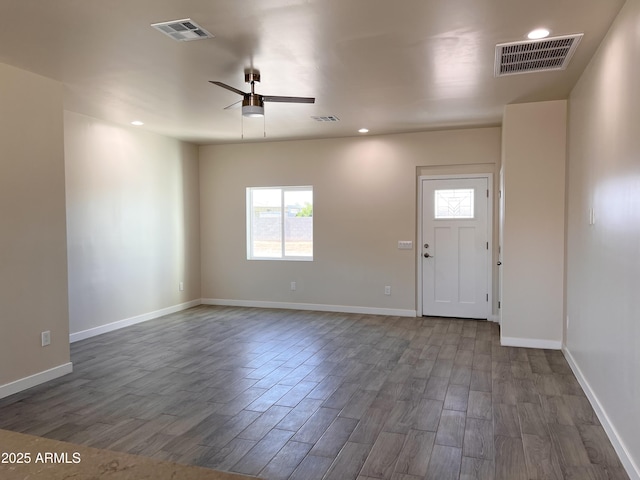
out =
column 456, row 203
column 280, row 223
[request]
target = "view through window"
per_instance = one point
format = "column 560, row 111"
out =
column 280, row 223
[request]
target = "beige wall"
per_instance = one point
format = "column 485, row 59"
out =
column 33, row 261
column 133, row 222
column 364, row 202
column 533, row 162
column 603, row 261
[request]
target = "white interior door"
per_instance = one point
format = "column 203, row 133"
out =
column 455, row 248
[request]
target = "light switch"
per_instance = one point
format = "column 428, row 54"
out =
column 405, row 244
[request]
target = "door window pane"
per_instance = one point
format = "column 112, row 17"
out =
column 457, row 203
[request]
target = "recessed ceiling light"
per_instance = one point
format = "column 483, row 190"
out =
column 364, row 130
column 137, row 123
column 538, row 33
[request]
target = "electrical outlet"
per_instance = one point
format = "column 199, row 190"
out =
column 387, row 290
column 46, row 338
column 293, row 286
column 181, row 286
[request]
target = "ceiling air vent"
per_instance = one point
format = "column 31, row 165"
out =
column 182, row 30
column 553, row 53
column 328, row 118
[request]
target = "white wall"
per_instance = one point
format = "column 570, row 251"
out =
column 603, row 260
column 133, row 222
column 33, row 262
column 533, row 163
column 364, row 202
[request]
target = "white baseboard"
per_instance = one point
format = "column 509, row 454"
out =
column 310, row 306
column 110, row 327
column 530, row 343
column 632, row 469
column 34, row 380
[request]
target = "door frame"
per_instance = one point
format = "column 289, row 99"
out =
column 490, row 201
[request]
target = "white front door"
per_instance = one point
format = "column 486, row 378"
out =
column 455, row 248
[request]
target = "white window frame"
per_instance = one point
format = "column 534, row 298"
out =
column 249, row 218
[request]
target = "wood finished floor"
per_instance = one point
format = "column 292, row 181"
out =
column 310, row 395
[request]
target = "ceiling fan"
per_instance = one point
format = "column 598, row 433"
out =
column 252, row 102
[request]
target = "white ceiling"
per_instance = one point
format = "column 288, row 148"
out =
column 399, row 66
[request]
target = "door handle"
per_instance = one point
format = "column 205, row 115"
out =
column 426, row 255
column 499, row 263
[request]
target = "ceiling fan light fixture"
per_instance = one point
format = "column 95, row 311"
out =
column 252, row 111
column 253, row 105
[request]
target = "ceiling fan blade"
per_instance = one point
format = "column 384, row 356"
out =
column 275, row 98
column 229, row 87
column 233, row 105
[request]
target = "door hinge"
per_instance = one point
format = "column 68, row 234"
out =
column 487, row 245
column 487, row 193
column 500, row 193
column 498, row 304
column 487, row 297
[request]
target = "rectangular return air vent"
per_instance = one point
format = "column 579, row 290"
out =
column 553, row 53
column 327, row 118
column 182, row 30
